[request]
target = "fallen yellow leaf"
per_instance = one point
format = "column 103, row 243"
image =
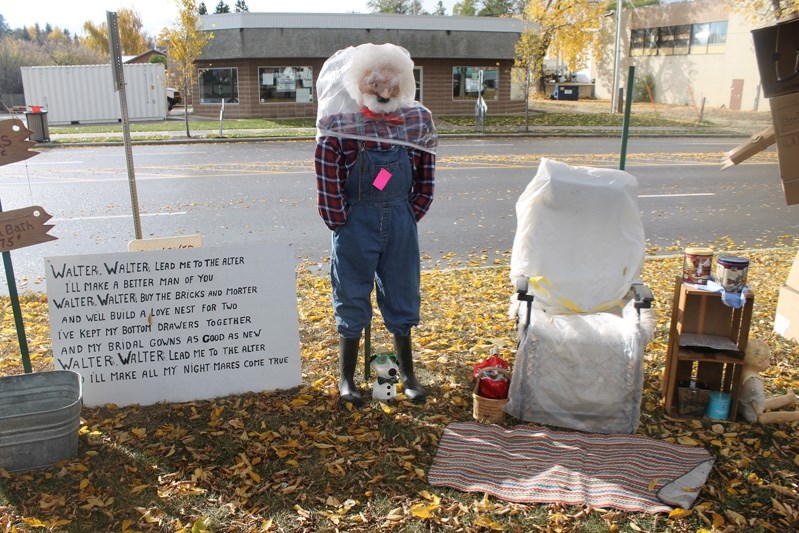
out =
column 679, row 512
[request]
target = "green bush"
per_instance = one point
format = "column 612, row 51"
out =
column 155, row 58
column 640, row 92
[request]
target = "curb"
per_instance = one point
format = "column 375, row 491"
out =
column 286, row 138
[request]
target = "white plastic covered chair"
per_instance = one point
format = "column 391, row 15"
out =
column 584, row 317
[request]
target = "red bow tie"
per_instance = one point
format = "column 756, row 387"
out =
column 391, row 118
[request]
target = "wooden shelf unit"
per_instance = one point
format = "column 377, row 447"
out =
column 702, row 312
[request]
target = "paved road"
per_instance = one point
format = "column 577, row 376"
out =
column 255, row 192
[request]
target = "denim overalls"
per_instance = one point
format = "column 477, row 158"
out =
column 379, row 242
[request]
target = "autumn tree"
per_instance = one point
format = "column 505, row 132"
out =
column 56, row 48
column 765, row 11
column 132, row 37
column 185, row 43
column 568, row 26
column 528, row 62
column 401, row 7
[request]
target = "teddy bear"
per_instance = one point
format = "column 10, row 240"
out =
column 386, row 369
column 752, row 402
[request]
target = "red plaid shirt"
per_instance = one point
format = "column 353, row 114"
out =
column 335, row 157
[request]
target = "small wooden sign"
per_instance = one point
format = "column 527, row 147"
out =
column 14, row 143
column 24, row 227
column 166, row 243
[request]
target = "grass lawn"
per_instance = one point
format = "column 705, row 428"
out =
column 547, row 114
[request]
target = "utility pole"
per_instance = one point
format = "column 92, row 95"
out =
column 614, row 106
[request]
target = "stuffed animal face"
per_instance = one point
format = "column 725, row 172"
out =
column 380, row 77
column 386, row 368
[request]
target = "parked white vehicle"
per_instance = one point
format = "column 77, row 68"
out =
column 172, row 97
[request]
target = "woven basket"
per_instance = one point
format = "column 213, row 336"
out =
column 488, row 410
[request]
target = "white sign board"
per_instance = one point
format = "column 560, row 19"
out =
column 176, row 325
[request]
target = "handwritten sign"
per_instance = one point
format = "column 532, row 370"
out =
column 14, row 143
column 176, row 325
column 24, row 227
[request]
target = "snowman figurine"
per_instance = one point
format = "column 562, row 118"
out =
column 386, row 368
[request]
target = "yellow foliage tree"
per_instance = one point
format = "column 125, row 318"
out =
column 185, row 42
column 568, row 26
column 765, row 11
column 132, row 37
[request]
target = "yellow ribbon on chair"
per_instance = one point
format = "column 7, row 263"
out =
column 542, row 285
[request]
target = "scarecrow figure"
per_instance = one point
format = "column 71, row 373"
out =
column 752, row 403
column 375, row 165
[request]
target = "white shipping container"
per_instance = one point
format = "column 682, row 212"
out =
column 85, row 93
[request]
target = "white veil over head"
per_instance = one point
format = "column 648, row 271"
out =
column 339, row 110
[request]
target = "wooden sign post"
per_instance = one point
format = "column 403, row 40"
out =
column 24, row 227
column 20, row 227
column 14, row 143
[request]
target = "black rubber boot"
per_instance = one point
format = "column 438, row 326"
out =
column 347, row 363
column 412, row 388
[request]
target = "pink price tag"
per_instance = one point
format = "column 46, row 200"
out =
column 382, row 178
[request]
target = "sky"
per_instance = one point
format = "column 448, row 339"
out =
column 158, row 14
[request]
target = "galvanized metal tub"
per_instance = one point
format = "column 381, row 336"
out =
column 39, row 418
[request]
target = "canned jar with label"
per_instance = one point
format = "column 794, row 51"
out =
column 696, row 268
column 731, row 272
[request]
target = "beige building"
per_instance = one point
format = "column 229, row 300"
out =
column 692, row 53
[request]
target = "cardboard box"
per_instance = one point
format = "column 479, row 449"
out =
column 775, row 50
column 785, row 117
column 793, row 275
column 786, row 321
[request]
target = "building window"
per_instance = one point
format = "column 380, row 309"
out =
column 699, row 35
column 219, row 85
column 651, row 41
column 708, row 37
column 681, row 39
column 637, row 38
column 717, row 37
column 704, row 38
column 466, row 83
column 417, row 76
column 285, row 84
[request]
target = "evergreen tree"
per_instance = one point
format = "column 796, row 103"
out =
column 240, row 6
column 496, row 8
column 4, row 28
column 222, row 7
column 440, row 9
column 465, row 8
column 202, row 10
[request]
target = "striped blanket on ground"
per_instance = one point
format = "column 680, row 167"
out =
column 534, row 464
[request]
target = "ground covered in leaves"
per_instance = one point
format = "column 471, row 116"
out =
column 294, row 461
